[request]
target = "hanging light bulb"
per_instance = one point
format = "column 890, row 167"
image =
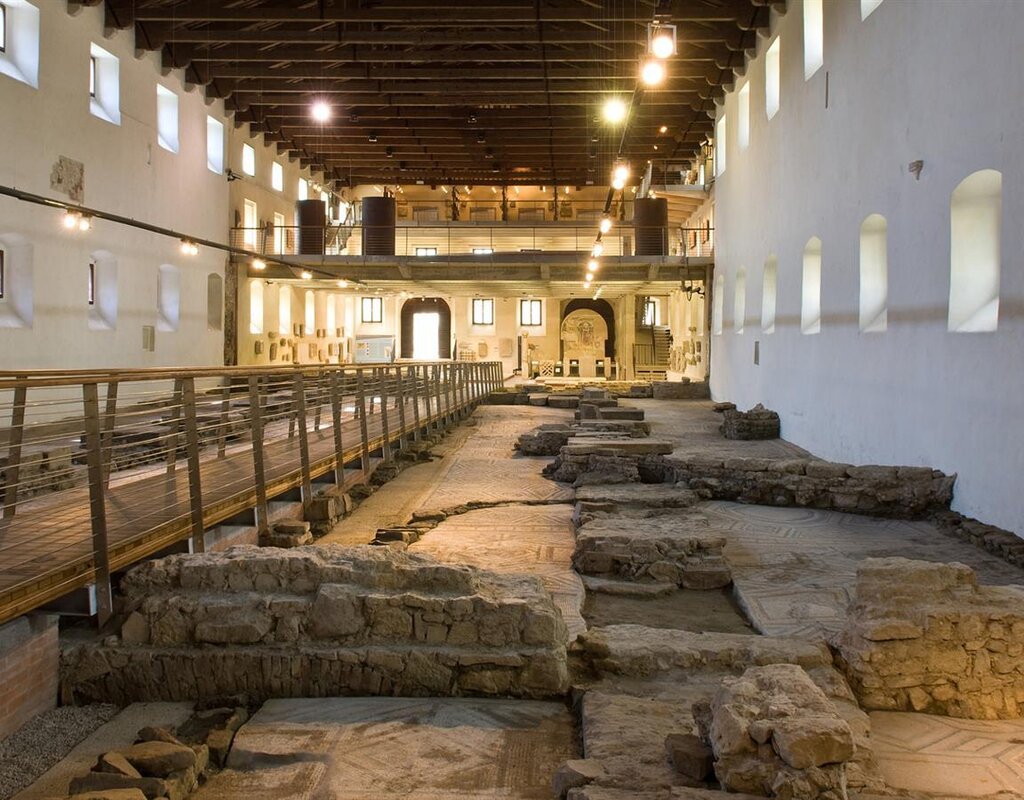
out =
column 652, row 73
column 186, row 247
column 661, row 40
column 593, row 265
column 343, row 284
column 606, row 224
column 614, row 110
column 307, row 275
column 259, row 263
column 321, row 111
column 621, row 171
column 597, row 250
column 84, row 223
column 71, row 219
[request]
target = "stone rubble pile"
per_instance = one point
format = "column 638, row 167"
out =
column 757, row 423
column 322, row 621
column 42, row 471
column 774, row 733
column 1005, row 544
column 924, row 636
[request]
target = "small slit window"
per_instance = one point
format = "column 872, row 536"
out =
column 90, row 288
column 248, row 159
column 104, row 85
column 168, row 298
column 772, row 78
column 256, row 307
column 426, row 251
column 720, row 133
column 769, row 294
column 814, row 37
column 303, row 189
column 277, row 177
column 19, row 41
column 976, row 210
column 3, row 28
column 874, row 274
column 867, row 6
column 718, row 305
column 652, row 312
column 740, row 301
column 214, row 145
column 810, row 309
column 483, row 311
column 167, row 119
column 530, row 313
column 92, row 75
column 743, row 117
column 372, row 309
column 3, row 273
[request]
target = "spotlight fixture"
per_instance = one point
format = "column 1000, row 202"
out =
column 259, row 263
column 472, row 119
column 614, row 110
column 71, row 219
column 661, row 40
column 307, row 275
column 389, row 152
column 342, row 284
column 481, row 138
column 321, row 111
column 84, row 223
column 372, row 138
column 606, row 224
column 619, row 176
column 663, row 129
column 189, row 248
column 597, row 249
column 652, row 73
column 593, row 265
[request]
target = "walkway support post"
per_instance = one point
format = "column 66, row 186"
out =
column 259, row 471
column 195, row 489
column 97, row 503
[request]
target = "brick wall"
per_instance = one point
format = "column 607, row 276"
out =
column 29, row 663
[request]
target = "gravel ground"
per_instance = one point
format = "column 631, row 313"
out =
column 41, row 743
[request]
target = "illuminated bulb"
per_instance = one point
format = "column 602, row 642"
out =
column 621, row 172
column 597, row 250
column 663, row 129
column 618, row 184
column 606, row 224
column 662, row 46
column 70, row 220
column 306, row 275
column 614, row 110
column 321, row 111
column 342, row 284
column 652, row 73
column 84, row 223
column 592, row 265
column 586, row 284
column 193, row 250
column 186, row 247
column 259, row 263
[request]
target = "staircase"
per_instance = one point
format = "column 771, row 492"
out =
column 651, row 360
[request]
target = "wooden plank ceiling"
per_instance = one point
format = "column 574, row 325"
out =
column 454, row 91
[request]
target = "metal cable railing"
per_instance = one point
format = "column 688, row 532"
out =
column 101, row 468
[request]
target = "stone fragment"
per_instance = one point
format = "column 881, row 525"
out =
column 151, row 734
column 757, row 423
column 575, row 773
column 95, row 782
column 690, row 755
column 110, row 794
column 135, row 629
column 116, row 763
column 159, row 759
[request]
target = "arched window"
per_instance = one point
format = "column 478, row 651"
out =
column 310, row 318
column 215, row 302
column 168, row 297
column 814, row 37
column 867, row 6
column 331, row 311
column 976, row 211
column 810, row 308
column 874, row 274
column 769, row 293
column 101, row 291
column 772, row 78
column 16, row 297
column 718, row 304
column 740, row 301
column 256, row 306
column 284, row 311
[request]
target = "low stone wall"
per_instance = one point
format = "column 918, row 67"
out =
column 680, row 390
column 774, row 733
column 758, row 423
column 1003, row 543
column 322, row 621
column 28, row 670
column 924, row 636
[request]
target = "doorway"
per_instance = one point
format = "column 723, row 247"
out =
column 426, row 329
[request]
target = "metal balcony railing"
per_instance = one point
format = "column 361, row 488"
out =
column 467, row 242
column 104, row 468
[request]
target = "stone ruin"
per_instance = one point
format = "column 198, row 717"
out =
column 322, row 621
column 758, row 423
column 924, row 636
column 774, row 733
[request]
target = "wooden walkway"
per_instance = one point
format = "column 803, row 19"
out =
column 48, row 548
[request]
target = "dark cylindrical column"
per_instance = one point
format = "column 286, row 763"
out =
column 650, row 220
column 311, row 217
column 378, row 226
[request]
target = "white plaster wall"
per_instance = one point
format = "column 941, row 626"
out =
column 127, row 173
column 916, row 80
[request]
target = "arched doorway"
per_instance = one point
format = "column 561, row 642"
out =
column 426, row 329
column 602, row 307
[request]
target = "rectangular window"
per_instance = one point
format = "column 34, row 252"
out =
column 215, row 145
column 652, row 313
column 303, row 189
column 248, row 159
column 743, row 115
column 277, row 177
column 90, row 290
column 771, row 79
column 3, row 28
column 167, row 119
column 483, row 311
column 250, row 224
column 814, row 37
column 530, row 313
column 278, row 233
column 19, row 41
column 867, row 6
column 483, row 251
column 720, row 133
column 426, row 251
column 104, row 85
column 3, row 267
column 372, row 309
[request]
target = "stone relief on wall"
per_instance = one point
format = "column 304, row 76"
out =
column 68, row 177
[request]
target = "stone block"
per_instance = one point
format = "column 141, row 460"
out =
column 757, row 423
column 635, row 414
column 563, row 401
column 690, row 755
